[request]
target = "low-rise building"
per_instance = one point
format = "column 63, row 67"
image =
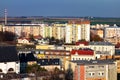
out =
column 49, row 64
column 100, row 48
column 82, row 54
column 23, row 41
column 9, row 61
column 45, row 46
column 63, row 55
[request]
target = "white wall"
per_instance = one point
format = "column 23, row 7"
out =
column 82, row 57
column 6, row 66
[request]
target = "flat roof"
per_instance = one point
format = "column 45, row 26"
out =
column 93, row 62
column 100, row 43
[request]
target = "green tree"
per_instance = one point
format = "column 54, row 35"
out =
column 34, row 68
column 69, row 73
column 31, row 37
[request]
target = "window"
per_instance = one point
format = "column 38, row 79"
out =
column 42, row 60
column 0, row 70
column 95, row 48
column 91, row 66
column 100, row 73
column 17, row 62
column 10, row 70
column 73, row 58
column 102, row 48
column 101, row 66
column 91, row 73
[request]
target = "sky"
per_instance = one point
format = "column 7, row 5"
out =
column 78, row 8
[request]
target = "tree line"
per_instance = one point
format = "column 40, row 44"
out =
column 7, row 36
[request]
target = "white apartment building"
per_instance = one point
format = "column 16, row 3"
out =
column 77, row 31
column 99, row 26
column 85, row 32
column 111, row 32
column 48, row 31
column 68, row 35
column 60, row 32
column 100, row 48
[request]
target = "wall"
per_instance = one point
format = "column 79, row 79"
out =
column 7, row 65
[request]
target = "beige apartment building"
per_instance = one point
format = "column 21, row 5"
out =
column 93, row 69
column 77, row 30
column 112, row 34
column 71, row 31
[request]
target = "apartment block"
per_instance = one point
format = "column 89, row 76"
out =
column 77, row 30
column 112, row 34
column 93, row 69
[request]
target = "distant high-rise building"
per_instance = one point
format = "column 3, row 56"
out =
column 77, row 30
column 112, row 34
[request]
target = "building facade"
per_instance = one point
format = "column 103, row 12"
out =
column 112, row 34
column 9, row 62
column 70, row 32
column 77, row 30
column 100, row 48
column 93, row 70
column 82, row 54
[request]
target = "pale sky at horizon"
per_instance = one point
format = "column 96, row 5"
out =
column 95, row 8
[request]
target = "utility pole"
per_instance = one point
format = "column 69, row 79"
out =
column 5, row 14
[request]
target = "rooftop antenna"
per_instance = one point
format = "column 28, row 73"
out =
column 5, row 16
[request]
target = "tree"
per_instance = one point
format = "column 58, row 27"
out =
column 2, row 38
column 69, row 74
column 55, row 75
column 7, row 36
column 117, row 45
column 34, row 68
column 94, row 37
column 31, row 37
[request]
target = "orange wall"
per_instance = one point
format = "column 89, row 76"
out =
column 76, row 73
column 82, row 72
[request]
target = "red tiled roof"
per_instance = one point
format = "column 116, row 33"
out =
column 37, row 37
column 24, row 38
column 85, row 43
column 82, row 52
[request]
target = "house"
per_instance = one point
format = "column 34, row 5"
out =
column 23, row 41
column 9, row 61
